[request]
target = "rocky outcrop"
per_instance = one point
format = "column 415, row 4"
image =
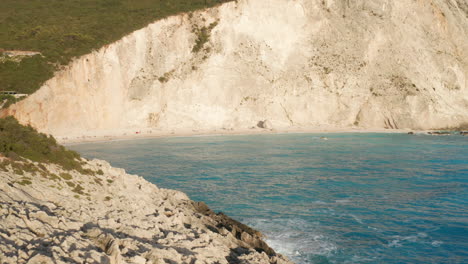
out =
column 297, row 64
column 49, row 215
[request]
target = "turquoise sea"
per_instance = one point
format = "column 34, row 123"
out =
column 354, row 198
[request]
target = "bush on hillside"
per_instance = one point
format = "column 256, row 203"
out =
column 19, row 142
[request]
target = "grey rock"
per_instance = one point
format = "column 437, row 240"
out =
column 150, row 226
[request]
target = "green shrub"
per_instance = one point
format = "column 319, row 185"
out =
column 42, row 167
column 7, row 100
column 203, row 36
column 163, row 79
column 54, row 177
column 4, row 165
column 17, row 170
column 25, row 76
column 24, row 182
column 78, row 189
column 19, row 142
column 66, row 176
column 26, row 167
column 87, row 171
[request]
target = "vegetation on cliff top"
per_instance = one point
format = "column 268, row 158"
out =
column 18, row 142
column 63, row 29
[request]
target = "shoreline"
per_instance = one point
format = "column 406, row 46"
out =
column 131, row 134
column 104, row 215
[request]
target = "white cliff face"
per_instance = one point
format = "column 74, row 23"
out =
column 295, row 63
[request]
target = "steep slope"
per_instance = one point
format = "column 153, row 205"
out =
column 49, row 215
column 56, row 207
column 297, row 64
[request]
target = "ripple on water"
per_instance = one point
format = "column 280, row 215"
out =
column 355, row 198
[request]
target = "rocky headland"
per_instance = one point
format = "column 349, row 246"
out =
column 104, row 215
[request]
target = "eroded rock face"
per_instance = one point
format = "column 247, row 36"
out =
column 297, row 64
column 115, row 218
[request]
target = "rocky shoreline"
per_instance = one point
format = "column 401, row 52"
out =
column 48, row 215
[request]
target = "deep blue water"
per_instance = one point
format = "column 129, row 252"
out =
column 354, row 198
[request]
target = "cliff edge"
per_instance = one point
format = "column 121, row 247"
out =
column 51, row 215
column 296, row 64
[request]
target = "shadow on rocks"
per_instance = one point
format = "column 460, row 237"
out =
column 250, row 237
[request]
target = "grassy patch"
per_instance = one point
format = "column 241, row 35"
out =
column 163, row 79
column 203, row 36
column 19, row 142
column 78, row 189
column 20, row 167
column 6, row 100
column 63, row 29
column 166, row 77
column 28, row 167
column 54, row 177
column 4, row 165
column 88, row 171
column 66, row 176
column 17, row 170
column 24, row 76
column 24, row 182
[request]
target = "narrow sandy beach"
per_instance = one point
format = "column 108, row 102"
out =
column 132, row 134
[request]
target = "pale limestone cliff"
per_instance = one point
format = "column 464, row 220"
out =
column 48, row 215
column 294, row 63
